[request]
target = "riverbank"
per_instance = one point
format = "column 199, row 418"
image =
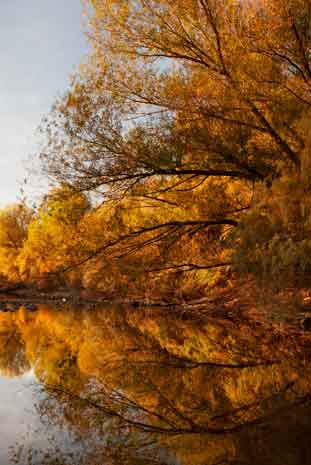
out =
column 244, row 307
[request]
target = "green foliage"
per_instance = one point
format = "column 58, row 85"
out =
column 274, row 240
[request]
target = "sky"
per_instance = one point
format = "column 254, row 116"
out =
column 41, row 45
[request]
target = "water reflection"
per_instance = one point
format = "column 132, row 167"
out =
column 132, row 386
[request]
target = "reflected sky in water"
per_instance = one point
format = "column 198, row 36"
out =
column 22, row 432
column 18, row 418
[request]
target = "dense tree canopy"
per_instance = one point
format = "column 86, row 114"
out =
column 188, row 127
column 186, row 89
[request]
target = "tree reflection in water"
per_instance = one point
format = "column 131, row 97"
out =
column 13, row 359
column 127, row 398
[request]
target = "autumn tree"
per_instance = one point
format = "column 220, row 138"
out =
column 14, row 221
column 184, row 94
column 54, row 237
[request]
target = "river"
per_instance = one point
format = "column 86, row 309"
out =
column 114, row 385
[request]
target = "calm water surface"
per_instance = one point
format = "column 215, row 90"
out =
column 114, row 385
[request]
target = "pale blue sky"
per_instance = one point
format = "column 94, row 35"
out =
column 41, row 44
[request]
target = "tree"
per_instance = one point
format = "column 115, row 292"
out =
column 14, row 221
column 54, row 236
column 182, row 94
